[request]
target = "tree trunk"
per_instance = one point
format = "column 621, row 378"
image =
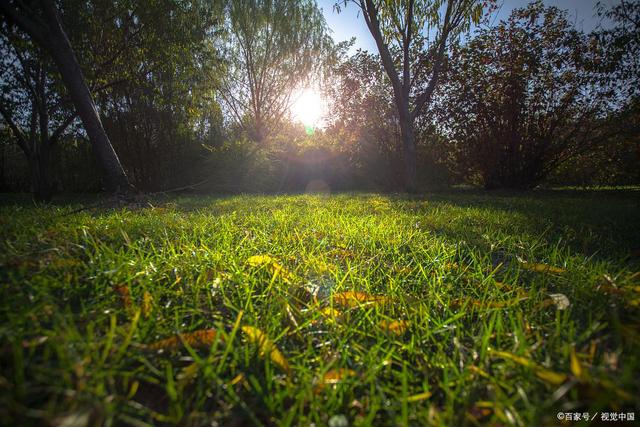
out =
column 60, row 49
column 40, row 165
column 408, row 149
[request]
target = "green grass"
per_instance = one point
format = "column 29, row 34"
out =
column 452, row 266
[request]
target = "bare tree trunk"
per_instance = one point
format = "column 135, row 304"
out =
column 60, row 49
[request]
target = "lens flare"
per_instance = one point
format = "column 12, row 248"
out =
column 308, row 108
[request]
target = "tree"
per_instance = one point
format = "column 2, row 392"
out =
column 622, row 41
column 157, row 87
column 364, row 121
column 413, row 37
column 41, row 21
column 524, row 97
column 274, row 48
column 32, row 107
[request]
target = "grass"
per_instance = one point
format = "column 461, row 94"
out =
column 448, row 309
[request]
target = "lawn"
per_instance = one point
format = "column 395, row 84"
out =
column 457, row 308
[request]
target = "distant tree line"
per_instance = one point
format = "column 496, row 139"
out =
column 197, row 94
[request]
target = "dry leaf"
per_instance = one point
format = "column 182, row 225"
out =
column 576, row 366
column 266, row 346
column 560, row 300
column 334, row 376
column 272, row 265
column 199, row 339
column 147, row 304
column 540, row 371
column 397, row 327
column 237, row 379
column 355, row 299
column 485, row 304
column 125, row 296
column 260, row 260
column 541, row 268
column 420, row 396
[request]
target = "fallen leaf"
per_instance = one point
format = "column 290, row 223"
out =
column 541, row 372
column 199, row 339
column 420, row 396
column 330, row 314
column 237, row 379
column 541, row 268
column 125, row 296
column 485, row 304
column 576, row 366
column 260, row 260
column 334, row 376
column 355, row 299
column 272, row 265
column 267, row 347
column 560, row 300
column 397, row 327
column 147, row 304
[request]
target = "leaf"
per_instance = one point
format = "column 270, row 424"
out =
column 266, row 346
column 485, row 304
column 125, row 296
column 237, row 379
column 420, row 396
column 330, row 314
column 355, row 299
column 260, row 260
column 272, row 265
column 576, row 366
column 203, row 338
column 541, row 372
column 541, row 268
column 560, row 300
column 147, row 304
column 335, row 376
column 397, row 327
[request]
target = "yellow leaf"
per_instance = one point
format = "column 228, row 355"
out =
column 334, row 376
column 267, row 347
column 542, row 268
column 330, row 312
column 147, row 304
column 355, row 299
column 418, row 397
column 198, row 339
column 397, row 327
column 237, row 379
column 576, row 367
column 540, row 371
column 259, row 260
column 273, row 266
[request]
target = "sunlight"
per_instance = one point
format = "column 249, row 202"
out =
column 308, row 108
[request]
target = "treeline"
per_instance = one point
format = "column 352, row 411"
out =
column 196, row 94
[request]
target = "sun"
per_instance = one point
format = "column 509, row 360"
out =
column 308, row 107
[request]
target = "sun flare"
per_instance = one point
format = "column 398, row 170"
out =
column 308, row 107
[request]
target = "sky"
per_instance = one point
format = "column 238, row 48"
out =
column 348, row 23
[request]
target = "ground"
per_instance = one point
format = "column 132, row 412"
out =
column 447, row 309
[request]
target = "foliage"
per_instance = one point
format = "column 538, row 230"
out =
column 523, row 97
column 393, row 310
column 412, row 38
column 275, row 48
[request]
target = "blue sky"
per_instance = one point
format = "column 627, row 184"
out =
column 349, row 24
